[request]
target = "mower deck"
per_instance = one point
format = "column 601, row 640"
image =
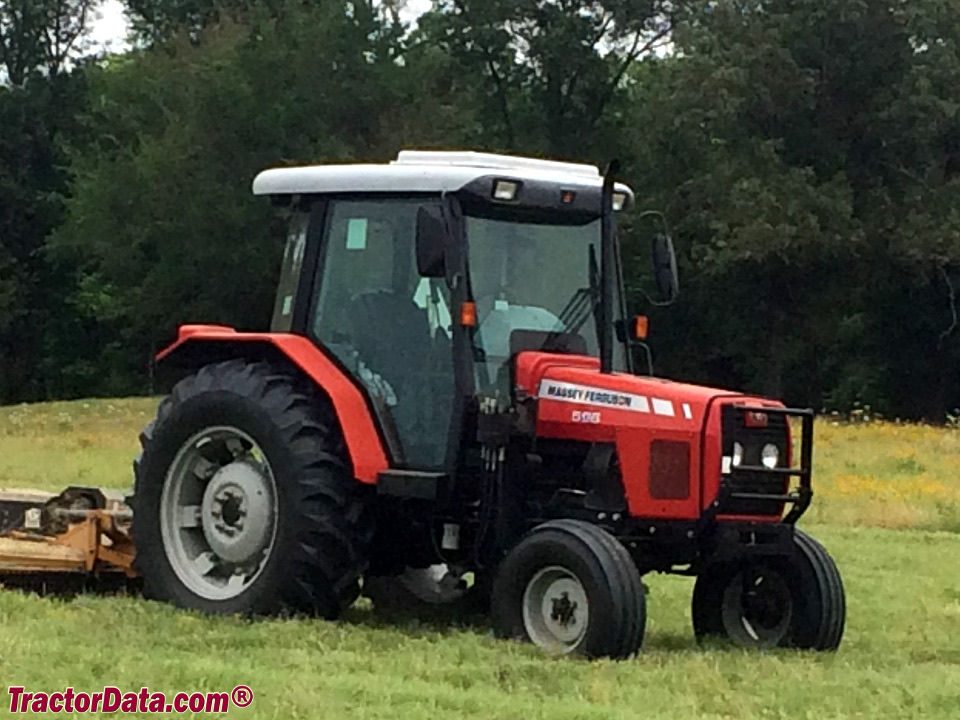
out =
column 81, row 531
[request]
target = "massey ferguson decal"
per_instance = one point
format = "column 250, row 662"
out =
column 584, row 395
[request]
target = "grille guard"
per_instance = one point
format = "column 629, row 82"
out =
column 798, row 498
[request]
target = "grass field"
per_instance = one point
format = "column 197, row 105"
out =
column 888, row 508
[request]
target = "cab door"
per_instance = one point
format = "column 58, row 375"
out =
column 388, row 327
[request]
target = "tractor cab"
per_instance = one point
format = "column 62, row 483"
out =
column 424, row 278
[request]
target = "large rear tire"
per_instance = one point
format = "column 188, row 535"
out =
column 570, row 588
column 243, row 500
column 795, row 602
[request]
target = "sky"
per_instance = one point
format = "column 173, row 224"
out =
column 109, row 32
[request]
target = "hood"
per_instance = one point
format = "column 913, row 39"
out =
column 570, row 390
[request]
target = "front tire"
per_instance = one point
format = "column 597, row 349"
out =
column 795, row 602
column 243, row 502
column 570, row 588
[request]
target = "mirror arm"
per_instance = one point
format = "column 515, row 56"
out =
column 647, row 352
column 452, row 219
column 666, row 229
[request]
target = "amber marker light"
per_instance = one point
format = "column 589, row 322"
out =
column 468, row 314
column 641, row 327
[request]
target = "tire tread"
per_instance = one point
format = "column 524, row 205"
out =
column 331, row 514
column 831, row 618
column 616, row 572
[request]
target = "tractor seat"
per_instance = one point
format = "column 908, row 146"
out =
column 391, row 335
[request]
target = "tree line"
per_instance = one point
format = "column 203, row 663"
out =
column 805, row 152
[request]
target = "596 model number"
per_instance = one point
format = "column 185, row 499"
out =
column 582, row 416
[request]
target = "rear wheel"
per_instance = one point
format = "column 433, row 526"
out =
column 570, row 588
column 243, row 501
column 773, row 602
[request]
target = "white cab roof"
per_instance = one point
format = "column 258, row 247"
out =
column 425, row 171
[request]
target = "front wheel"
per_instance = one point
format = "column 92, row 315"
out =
column 243, row 502
column 570, row 588
column 793, row 602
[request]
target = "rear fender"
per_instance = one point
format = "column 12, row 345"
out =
column 199, row 345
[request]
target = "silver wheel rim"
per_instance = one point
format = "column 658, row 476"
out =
column 218, row 516
column 757, row 608
column 555, row 610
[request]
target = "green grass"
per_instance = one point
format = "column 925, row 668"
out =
column 887, row 475
column 90, row 442
column 900, row 657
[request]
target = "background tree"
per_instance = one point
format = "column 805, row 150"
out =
column 39, row 98
column 42, row 35
column 163, row 229
column 548, row 68
column 805, row 152
column 799, row 146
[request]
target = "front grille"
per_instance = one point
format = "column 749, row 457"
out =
column 751, row 506
column 756, row 480
column 669, row 470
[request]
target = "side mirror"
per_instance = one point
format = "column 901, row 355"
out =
column 652, row 224
column 665, row 266
column 431, row 242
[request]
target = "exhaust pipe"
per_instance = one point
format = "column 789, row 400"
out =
column 608, row 267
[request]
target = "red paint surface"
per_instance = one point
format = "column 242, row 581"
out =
column 632, row 431
column 367, row 453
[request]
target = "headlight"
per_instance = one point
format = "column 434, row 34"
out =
column 770, row 455
column 737, row 454
column 505, row 190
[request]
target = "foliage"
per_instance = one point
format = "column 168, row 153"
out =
column 549, row 68
column 163, row 228
column 867, row 472
column 41, row 36
column 788, row 147
column 36, row 120
column 805, row 152
column 898, row 660
column 899, row 657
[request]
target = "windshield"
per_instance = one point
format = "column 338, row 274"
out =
column 536, row 287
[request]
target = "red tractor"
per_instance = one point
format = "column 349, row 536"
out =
column 448, row 391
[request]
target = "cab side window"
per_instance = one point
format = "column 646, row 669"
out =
column 386, row 324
